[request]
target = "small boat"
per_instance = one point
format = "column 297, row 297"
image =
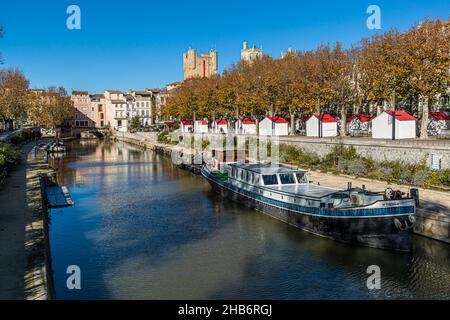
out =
column 56, row 196
column 354, row 215
column 91, row 135
column 56, row 146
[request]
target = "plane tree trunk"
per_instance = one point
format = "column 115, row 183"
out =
column 424, row 121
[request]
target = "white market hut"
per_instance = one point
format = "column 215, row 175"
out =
column 328, row 126
column 201, row 126
column 405, row 125
column 438, row 121
column 359, row 125
column 245, row 126
column 186, row 126
column 273, row 126
column 220, row 126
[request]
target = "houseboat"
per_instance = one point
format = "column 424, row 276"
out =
column 355, row 215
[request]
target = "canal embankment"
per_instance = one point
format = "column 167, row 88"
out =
column 24, row 257
column 38, row 274
column 433, row 211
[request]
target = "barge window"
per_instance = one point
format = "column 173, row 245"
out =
column 287, row 178
column 301, row 177
column 270, row 179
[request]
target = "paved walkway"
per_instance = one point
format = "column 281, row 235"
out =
column 14, row 214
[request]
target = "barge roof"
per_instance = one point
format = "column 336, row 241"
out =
column 306, row 189
column 266, row 168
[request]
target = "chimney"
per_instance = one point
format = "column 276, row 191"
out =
column 244, row 45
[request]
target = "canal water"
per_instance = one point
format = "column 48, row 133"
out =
column 143, row 229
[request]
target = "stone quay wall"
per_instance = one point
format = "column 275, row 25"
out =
column 409, row 151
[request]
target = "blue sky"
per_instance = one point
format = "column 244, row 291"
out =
column 138, row 44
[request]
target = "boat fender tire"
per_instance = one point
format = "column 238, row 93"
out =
column 412, row 220
column 399, row 225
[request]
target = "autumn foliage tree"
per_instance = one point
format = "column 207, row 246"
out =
column 380, row 71
column 13, row 94
column 49, row 108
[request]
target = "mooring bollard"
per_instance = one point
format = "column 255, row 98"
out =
column 415, row 195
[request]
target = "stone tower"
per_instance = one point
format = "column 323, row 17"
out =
column 203, row 66
column 250, row 54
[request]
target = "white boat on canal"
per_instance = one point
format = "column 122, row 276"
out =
column 354, row 215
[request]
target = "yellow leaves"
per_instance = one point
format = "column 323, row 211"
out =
column 414, row 62
column 49, row 109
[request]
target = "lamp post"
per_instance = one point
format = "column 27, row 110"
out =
column 273, row 119
column 393, row 114
column 319, row 124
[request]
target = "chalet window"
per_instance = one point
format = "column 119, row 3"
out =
column 270, row 179
column 287, row 178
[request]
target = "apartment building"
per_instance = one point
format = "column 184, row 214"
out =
column 116, row 104
column 142, row 106
column 82, row 114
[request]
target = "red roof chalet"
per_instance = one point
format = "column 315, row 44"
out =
column 325, row 117
column 221, row 121
column 439, row 115
column 360, row 117
column 186, row 122
column 203, row 122
column 247, row 121
column 277, row 119
column 401, row 115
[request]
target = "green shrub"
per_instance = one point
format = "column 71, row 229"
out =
column 24, row 136
column 345, row 160
column 438, row 178
column 357, row 167
column 420, row 177
column 8, row 155
column 164, row 137
column 297, row 156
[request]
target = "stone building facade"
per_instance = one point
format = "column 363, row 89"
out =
column 250, row 54
column 82, row 114
column 203, row 66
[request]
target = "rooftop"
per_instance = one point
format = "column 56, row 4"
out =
column 79, row 93
column 267, row 168
column 401, row 115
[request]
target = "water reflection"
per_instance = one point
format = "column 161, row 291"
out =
column 144, row 229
